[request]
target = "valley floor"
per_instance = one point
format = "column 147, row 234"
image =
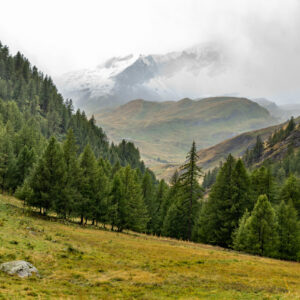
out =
column 87, row 263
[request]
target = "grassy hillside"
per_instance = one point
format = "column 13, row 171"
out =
column 164, row 131
column 86, row 263
column 212, row 156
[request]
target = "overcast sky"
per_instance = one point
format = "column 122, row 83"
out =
column 64, row 35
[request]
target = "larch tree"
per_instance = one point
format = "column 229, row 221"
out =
column 49, row 177
column 191, row 192
column 288, row 231
column 262, row 236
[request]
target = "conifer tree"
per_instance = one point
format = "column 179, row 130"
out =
column 291, row 126
column 216, row 221
column 148, row 196
column 117, row 205
column 172, row 226
column 88, row 186
column 258, row 149
column 160, row 200
column 170, row 209
column 191, row 192
column 228, row 200
column 73, row 175
column 106, row 166
column 137, row 215
column 25, row 192
column 240, row 235
column 291, row 190
column 101, row 213
column 241, row 193
column 262, row 236
column 48, row 180
column 24, row 163
column 288, row 231
column 263, row 183
column 7, row 161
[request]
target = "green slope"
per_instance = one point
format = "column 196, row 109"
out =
column 164, row 131
column 87, row 263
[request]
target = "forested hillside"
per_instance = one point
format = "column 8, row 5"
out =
column 31, row 107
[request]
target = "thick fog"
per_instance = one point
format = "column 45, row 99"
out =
column 257, row 42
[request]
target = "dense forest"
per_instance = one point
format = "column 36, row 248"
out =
column 59, row 161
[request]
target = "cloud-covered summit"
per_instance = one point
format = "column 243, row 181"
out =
column 154, row 77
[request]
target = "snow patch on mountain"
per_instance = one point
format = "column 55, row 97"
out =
column 154, row 77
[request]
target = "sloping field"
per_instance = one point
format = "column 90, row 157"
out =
column 88, row 263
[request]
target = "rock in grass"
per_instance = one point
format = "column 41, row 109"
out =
column 20, row 267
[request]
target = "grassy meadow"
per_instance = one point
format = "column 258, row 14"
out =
column 87, row 263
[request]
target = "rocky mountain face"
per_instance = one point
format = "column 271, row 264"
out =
column 154, row 77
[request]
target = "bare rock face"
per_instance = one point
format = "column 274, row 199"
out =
column 19, row 267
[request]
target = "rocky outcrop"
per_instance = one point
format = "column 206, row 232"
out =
column 19, row 267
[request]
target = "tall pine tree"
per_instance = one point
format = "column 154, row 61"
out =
column 191, row 192
column 48, row 180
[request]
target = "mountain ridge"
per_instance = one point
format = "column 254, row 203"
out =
column 164, row 131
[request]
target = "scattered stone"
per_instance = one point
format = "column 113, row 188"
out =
column 19, row 267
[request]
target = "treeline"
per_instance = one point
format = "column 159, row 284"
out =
column 251, row 212
column 82, row 186
column 89, row 189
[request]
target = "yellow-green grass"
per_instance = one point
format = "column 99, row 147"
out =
column 88, row 263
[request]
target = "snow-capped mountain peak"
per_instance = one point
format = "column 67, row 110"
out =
column 154, row 77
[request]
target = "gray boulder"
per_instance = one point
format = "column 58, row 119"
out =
column 20, row 267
